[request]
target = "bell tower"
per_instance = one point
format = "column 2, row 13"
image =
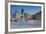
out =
column 22, row 13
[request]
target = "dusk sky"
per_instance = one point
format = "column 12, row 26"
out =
column 27, row 9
